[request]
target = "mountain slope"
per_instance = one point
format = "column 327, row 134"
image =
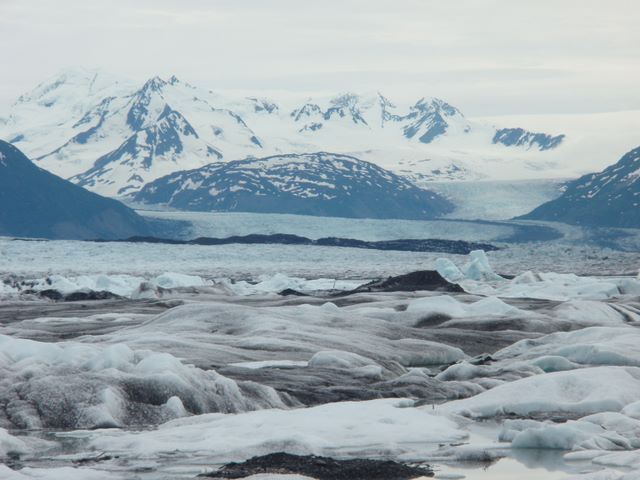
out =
column 322, row 184
column 36, row 203
column 158, row 147
column 609, row 198
column 108, row 135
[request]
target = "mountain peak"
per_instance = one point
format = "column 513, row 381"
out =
column 263, row 105
column 523, row 138
column 154, row 84
column 436, row 105
column 74, row 86
column 431, row 118
column 347, row 99
column 346, row 105
column 384, row 101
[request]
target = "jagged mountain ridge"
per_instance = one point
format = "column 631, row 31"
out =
column 610, row 198
column 321, row 184
column 520, row 137
column 157, row 146
column 36, row 203
column 112, row 137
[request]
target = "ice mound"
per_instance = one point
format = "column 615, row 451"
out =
column 122, row 285
column 357, row 365
column 560, row 287
column 176, row 280
column 582, row 435
column 590, row 346
column 554, row 363
column 445, row 305
column 629, row 286
column 632, row 410
column 339, row 359
column 277, row 342
column 271, row 364
column 278, row 282
column 448, row 270
column 417, row 352
column 595, row 313
column 608, row 438
column 477, row 276
column 477, row 268
column 347, row 429
column 74, row 385
column 575, row 392
column 467, row 371
column 493, row 306
column 249, row 334
column 437, row 305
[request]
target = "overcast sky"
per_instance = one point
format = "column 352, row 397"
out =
column 487, row 57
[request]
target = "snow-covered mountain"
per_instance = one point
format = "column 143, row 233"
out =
column 113, row 136
column 36, row 203
column 322, row 184
column 609, row 198
column 520, row 137
column 159, row 146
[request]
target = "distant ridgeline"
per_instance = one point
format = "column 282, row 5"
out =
column 113, row 136
column 610, row 198
column 36, row 203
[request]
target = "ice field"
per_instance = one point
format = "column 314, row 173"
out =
column 191, row 359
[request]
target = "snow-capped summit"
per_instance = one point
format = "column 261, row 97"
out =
column 157, row 148
column 429, row 119
column 520, row 137
column 79, row 82
column 424, row 120
column 146, row 103
column 126, row 140
column 263, row 105
column 340, row 109
column 112, row 136
column 346, row 105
